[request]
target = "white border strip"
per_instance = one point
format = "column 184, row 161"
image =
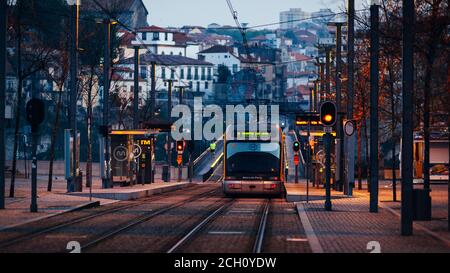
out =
column 309, row 231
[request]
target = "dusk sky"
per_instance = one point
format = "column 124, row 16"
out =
column 203, row 12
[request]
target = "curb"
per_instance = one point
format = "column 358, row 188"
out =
column 88, row 205
column 125, row 196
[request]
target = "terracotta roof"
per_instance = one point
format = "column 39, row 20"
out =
column 181, row 38
column 300, row 57
column 127, row 38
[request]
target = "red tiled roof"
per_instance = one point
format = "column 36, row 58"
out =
column 127, row 38
column 300, row 57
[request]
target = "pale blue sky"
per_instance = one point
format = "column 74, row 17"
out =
column 203, row 12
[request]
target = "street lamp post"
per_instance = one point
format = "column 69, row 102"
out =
column 107, row 183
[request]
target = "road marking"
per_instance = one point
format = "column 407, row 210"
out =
column 309, row 231
column 291, row 239
column 62, row 236
column 242, row 211
column 226, row 232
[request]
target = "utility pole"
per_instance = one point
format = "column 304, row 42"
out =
column 374, row 17
column 153, row 89
column 351, row 141
column 106, row 86
column 169, row 118
column 136, row 89
column 73, row 92
column 339, row 130
column 407, row 118
column 3, row 25
column 322, row 81
column 327, row 170
column 327, row 72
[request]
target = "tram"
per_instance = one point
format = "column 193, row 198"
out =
column 254, row 162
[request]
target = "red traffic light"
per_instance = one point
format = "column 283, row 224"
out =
column 328, row 113
column 180, row 145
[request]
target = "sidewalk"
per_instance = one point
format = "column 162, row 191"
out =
column 350, row 226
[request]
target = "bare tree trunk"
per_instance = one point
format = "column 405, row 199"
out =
column 366, row 160
column 359, row 158
column 426, row 118
column 53, row 140
column 393, row 126
column 18, row 107
column 89, row 131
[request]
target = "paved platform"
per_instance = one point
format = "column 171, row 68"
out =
column 351, row 228
column 58, row 201
column 133, row 192
column 295, row 192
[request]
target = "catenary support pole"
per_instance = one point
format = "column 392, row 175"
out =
column 136, row 89
column 351, row 141
column 407, row 119
column 73, row 91
column 3, row 25
column 106, row 86
column 374, row 47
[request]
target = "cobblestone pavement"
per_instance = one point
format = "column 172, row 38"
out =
column 350, row 227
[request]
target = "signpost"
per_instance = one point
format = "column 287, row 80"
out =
column 296, row 148
column 35, row 111
column 328, row 116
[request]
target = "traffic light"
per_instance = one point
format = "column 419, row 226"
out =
column 296, row 146
column 180, row 146
column 35, row 112
column 328, row 113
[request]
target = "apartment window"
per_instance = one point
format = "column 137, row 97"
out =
column 182, row 73
column 209, row 74
column 143, row 72
column 206, row 85
column 235, row 68
column 172, row 74
column 166, row 36
column 155, row 36
column 196, row 73
column 198, row 86
column 203, row 74
column 189, row 73
column 163, row 73
column 190, row 85
column 144, row 35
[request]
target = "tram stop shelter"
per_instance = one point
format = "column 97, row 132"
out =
column 132, row 155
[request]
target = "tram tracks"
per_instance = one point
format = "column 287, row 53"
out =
column 196, row 231
column 67, row 223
